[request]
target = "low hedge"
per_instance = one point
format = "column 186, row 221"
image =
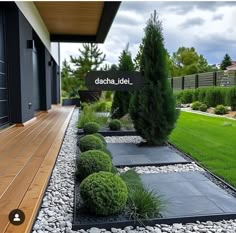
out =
column 211, row 96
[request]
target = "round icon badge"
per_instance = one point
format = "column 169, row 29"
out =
column 16, row 217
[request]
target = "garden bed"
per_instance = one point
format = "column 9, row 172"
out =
column 189, row 197
column 106, row 132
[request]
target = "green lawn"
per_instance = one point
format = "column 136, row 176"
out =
column 209, row 140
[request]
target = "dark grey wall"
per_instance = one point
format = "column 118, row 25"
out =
column 13, row 61
column 19, row 60
column 48, row 79
column 26, row 69
column 55, row 84
column 20, row 67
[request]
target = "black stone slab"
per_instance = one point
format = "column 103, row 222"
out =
column 129, row 154
column 190, row 194
column 188, row 197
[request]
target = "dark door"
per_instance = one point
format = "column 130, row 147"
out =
column 4, row 112
column 36, row 84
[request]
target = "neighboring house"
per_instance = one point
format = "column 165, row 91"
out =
column 29, row 50
column 232, row 67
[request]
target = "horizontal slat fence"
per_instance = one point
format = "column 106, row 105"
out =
column 209, row 79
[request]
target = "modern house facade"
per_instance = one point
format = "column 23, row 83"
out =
column 30, row 33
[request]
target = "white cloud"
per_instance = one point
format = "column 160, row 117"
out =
column 209, row 27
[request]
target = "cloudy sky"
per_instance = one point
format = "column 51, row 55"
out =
column 207, row 26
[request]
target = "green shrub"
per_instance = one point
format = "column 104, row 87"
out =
column 220, row 110
column 102, row 106
column 91, row 127
column 215, row 96
column 202, row 94
column 187, row 96
column 115, row 124
column 203, row 108
column 101, row 137
column 142, row 203
column 231, row 98
column 89, row 115
column 93, row 161
column 106, row 151
column 108, row 95
column 127, row 122
column 104, row 193
column 90, row 142
column 178, row 96
column 196, row 105
column 132, row 179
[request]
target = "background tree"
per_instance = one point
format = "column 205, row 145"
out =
column 69, row 84
column 90, row 58
column 137, row 59
column 152, row 107
column 120, row 104
column 227, row 61
column 187, row 61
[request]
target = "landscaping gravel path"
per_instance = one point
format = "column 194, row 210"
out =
column 55, row 215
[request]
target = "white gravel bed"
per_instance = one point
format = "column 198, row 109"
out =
column 124, row 139
column 55, row 215
column 164, row 169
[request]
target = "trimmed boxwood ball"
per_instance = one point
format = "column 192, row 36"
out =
column 196, row 105
column 91, row 127
column 101, row 137
column 203, row 108
column 104, row 193
column 93, row 161
column 115, row 124
column 90, row 142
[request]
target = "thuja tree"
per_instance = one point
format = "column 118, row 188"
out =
column 90, row 58
column 120, row 104
column 152, row 107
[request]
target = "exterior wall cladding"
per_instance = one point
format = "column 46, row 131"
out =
column 20, row 43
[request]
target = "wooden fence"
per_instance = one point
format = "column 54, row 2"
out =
column 219, row 78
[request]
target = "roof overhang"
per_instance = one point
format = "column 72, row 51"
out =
column 78, row 21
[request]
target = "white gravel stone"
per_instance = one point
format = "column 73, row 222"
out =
column 164, row 169
column 57, row 207
column 124, row 139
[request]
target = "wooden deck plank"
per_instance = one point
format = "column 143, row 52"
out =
column 7, row 145
column 22, row 145
column 31, row 180
column 23, row 157
column 9, row 131
column 34, row 196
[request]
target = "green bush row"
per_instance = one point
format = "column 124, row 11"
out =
column 211, row 96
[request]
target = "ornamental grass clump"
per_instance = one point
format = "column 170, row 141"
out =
column 104, row 193
column 90, row 142
column 142, row 203
column 92, row 161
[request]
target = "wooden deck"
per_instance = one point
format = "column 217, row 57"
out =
column 27, row 157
